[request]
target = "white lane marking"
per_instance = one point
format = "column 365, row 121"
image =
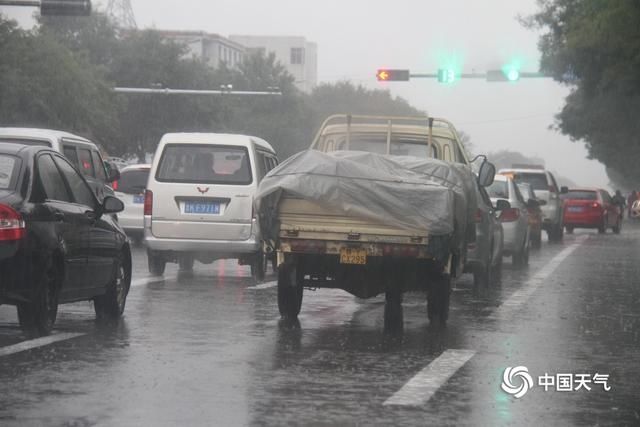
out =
column 38, row 342
column 264, row 285
column 423, row 386
column 519, row 297
column 152, row 279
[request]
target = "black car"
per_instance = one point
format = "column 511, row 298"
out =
column 57, row 243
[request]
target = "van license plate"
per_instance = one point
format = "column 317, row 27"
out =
column 202, row 208
column 138, row 199
column 353, row 256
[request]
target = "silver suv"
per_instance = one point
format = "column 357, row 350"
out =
column 546, row 188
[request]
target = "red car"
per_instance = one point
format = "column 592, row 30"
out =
column 591, row 208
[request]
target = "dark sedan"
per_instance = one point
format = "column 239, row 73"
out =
column 57, row 242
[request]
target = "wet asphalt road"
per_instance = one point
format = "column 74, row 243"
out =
column 210, row 349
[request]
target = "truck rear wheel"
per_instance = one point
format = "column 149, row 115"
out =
column 393, row 315
column 438, row 299
column 290, row 291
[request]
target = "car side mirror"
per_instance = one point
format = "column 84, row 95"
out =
column 486, row 174
column 112, row 204
column 532, row 203
column 113, row 174
column 541, row 202
column 502, row 204
column 564, row 189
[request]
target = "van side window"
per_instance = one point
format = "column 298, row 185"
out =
column 261, row 165
column 86, row 164
column 447, row 153
column 98, row 164
column 71, row 154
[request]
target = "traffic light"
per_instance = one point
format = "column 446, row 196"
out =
column 385, row 75
column 65, row 7
column 446, row 75
column 506, row 75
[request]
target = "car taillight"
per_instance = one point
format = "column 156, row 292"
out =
column 510, row 215
column 595, row 205
column 12, row 226
column 148, row 202
column 114, row 185
column 478, row 216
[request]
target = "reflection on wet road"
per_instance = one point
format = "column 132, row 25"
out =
column 209, row 348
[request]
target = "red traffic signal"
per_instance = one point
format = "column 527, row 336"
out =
column 385, row 75
column 65, row 7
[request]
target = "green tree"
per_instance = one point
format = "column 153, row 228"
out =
column 43, row 84
column 594, row 47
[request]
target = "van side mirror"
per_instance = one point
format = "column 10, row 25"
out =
column 486, row 174
column 564, row 189
column 502, row 204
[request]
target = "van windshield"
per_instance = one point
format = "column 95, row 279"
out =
column 205, row 164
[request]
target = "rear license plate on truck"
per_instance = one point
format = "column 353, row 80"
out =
column 201, row 208
column 353, row 256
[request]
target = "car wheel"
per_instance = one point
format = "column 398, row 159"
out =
column 497, row 271
column 111, row 304
column 525, row 253
column 569, row 230
column 259, row 266
column 536, row 240
column 185, row 262
column 393, row 315
column 517, row 259
column 617, row 227
column 290, row 290
column 483, row 275
column 156, row 263
column 602, row 229
column 438, row 299
column 37, row 317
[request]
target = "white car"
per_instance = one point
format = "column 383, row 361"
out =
column 130, row 189
column 514, row 217
column 199, row 200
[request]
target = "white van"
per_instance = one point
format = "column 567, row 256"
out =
column 199, row 200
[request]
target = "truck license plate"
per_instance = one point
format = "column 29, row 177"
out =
column 353, row 256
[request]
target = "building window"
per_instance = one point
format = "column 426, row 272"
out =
column 297, row 55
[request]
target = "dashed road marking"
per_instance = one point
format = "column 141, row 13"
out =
column 266, row 285
column 423, row 386
column 519, row 297
column 38, row 342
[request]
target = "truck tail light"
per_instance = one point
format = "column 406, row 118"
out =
column 510, row 215
column 12, row 226
column 478, row 216
column 148, row 202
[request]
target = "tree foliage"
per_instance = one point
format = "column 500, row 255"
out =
column 594, row 46
column 61, row 75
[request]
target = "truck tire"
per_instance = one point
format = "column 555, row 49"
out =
column 393, row 315
column 185, row 262
column 438, row 299
column 259, row 266
column 290, row 290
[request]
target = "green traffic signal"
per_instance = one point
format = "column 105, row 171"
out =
column 446, row 75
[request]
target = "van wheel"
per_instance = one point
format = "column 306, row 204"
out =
column 259, row 266
column 156, row 263
column 438, row 299
column 37, row 317
column 185, row 262
column 111, row 304
column 290, row 290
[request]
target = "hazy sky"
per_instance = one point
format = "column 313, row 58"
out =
column 355, row 37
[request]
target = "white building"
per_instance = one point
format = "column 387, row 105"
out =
column 210, row 48
column 299, row 56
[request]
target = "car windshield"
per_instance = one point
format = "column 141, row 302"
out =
column 206, row 164
column 378, row 144
column 581, row 195
column 133, row 181
column 538, row 181
column 8, row 171
column 499, row 190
